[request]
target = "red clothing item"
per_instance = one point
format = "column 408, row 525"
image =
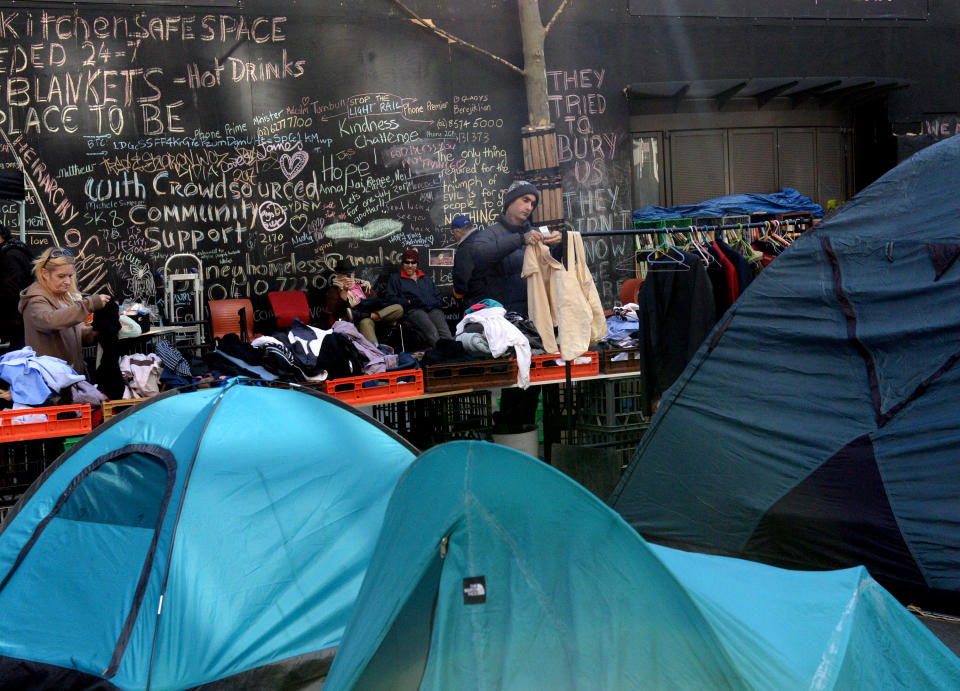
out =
column 730, row 273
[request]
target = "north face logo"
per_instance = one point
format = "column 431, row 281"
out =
column 474, row 590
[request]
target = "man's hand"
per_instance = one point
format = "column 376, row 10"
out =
column 532, row 237
column 553, row 238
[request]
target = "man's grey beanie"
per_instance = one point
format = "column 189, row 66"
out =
column 517, row 190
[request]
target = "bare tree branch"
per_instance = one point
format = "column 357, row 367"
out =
column 450, row 37
column 556, row 14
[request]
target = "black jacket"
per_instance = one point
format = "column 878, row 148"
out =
column 16, row 273
column 465, row 283
column 676, row 312
column 497, row 254
column 413, row 295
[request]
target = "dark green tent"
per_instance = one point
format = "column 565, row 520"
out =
column 817, row 426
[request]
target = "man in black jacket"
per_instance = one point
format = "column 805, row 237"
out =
column 415, row 292
column 16, row 273
column 497, row 254
column 465, row 233
column 497, row 251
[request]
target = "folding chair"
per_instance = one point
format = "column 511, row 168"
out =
column 234, row 316
column 289, row 305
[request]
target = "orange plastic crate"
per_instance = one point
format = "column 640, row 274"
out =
column 552, row 368
column 372, row 388
column 58, row 421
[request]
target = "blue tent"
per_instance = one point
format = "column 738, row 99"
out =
column 221, row 534
column 495, row 571
column 817, row 426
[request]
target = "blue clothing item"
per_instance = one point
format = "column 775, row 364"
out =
column 26, row 384
column 405, row 361
column 410, row 294
column 618, row 328
column 34, row 379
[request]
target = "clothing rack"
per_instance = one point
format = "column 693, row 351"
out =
column 766, row 225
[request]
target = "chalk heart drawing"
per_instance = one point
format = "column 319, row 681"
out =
column 293, row 164
column 272, row 216
column 298, row 222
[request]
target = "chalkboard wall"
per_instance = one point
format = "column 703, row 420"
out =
column 266, row 147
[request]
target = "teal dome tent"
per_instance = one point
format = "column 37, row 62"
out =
column 816, row 427
column 495, row 571
column 221, row 534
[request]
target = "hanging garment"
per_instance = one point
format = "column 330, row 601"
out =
column 581, row 321
column 740, row 263
column 500, row 335
column 539, row 271
column 729, row 272
column 106, row 325
column 676, row 312
column 141, row 374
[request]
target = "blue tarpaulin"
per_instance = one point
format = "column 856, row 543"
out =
column 786, row 201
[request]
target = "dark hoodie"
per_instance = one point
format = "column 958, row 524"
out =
column 16, row 265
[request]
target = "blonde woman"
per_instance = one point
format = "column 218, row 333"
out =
column 54, row 312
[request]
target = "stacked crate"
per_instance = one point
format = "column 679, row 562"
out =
column 31, row 439
column 609, row 413
column 543, row 171
column 426, row 422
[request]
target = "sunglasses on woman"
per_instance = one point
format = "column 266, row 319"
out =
column 60, row 253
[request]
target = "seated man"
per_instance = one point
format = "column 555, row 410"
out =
column 415, row 292
column 352, row 299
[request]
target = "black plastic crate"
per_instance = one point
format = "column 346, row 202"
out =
column 21, row 463
column 623, row 440
column 612, row 403
column 429, row 421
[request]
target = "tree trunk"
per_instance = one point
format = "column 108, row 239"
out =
column 534, row 65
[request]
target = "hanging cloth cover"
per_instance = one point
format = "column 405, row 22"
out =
column 581, row 319
column 540, row 270
column 786, row 201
